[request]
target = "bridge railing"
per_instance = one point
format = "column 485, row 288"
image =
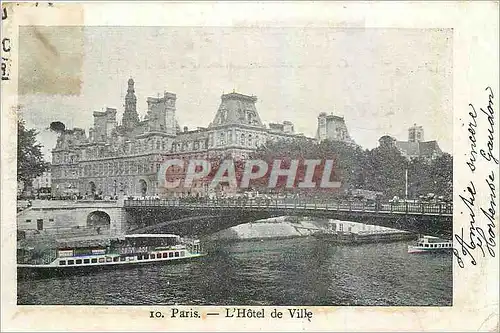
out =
column 347, row 206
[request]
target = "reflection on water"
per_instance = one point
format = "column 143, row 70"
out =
column 302, row 271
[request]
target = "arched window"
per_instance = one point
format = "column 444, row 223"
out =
column 242, row 139
column 143, row 187
column 250, row 139
column 223, row 116
column 250, row 116
column 222, row 140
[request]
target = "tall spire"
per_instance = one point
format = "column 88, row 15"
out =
column 130, row 116
column 130, row 86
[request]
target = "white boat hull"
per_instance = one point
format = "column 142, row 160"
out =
column 53, row 269
column 430, row 244
column 136, row 250
column 419, row 249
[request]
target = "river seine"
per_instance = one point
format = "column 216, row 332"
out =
column 300, row 271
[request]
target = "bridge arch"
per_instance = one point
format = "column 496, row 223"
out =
column 98, row 219
column 213, row 215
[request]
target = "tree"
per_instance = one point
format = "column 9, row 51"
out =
column 57, row 126
column 347, row 163
column 30, row 162
column 381, row 169
column 385, row 170
column 419, row 174
column 441, row 175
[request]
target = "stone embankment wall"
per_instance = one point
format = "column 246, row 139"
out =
column 288, row 227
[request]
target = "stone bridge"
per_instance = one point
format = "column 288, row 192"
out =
column 205, row 217
column 64, row 214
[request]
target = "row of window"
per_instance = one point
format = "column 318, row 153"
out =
column 106, row 186
column 163, row 255
column 38, row 220
column 146, row 256
column 142, row 147
column 188, row 146
column 241, row 139
column 63, row 158
column 222, row 138
column 120, row 168
column 65, row 172
column 137, row 147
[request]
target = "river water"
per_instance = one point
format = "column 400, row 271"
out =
column 300, row 271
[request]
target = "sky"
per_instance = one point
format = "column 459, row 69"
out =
column 382, row 81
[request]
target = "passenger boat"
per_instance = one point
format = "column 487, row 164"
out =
column 427, row 244
column 132, row 250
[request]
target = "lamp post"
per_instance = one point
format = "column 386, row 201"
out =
column 407, row 167
column 406, row 183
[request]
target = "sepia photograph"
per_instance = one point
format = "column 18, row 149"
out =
column 224, row 166
column 216, row 166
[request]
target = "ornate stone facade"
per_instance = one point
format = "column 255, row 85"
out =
column 125, row 158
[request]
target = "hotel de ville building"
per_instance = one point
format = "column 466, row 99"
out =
column 124, row 158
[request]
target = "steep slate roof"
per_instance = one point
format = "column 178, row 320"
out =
column 410, row 148
column 237, row 108
column 429, row 148
column 424, row 149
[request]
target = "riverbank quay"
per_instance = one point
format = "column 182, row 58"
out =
column 335, row 231
column 364, row 238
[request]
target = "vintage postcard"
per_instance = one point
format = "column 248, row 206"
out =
column 243, row 166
